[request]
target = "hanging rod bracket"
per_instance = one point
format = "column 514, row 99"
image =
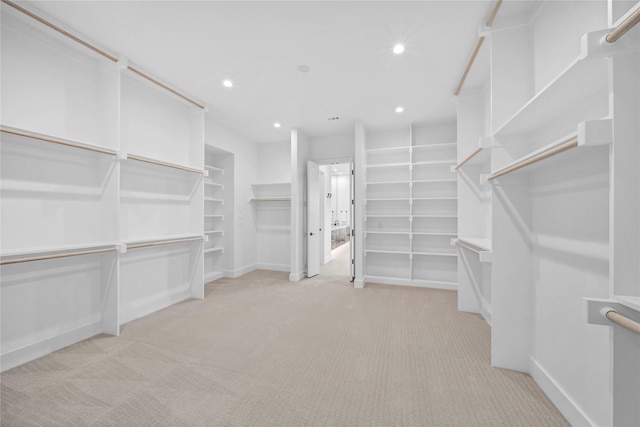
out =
column 594, row 45
column 596, row 310
column 595, row 132
column 121, row 155
column 123, row 63
column 121, row 248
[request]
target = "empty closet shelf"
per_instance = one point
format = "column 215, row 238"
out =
column 214, row 184
column 214, row 216
column 387, row 165
column 212, row 250
column 145, row 243
column 436, row 216
column 25, row 134
column 212, row 199
column 214, row 169
column 270, row 199
column 378, row 150
column 435, row 162
column 162, row 163
column 387, row 182
column 387, row 232
column 387, row 251
column 445, row 254
column 214, row 232
column 41, row 254
column 435, row 146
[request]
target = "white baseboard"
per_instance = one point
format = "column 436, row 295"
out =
column 559, row 397
column 142, row 307
column 273, row 267
column 41, row 348
column 295, row 277
column 234, row 274
column 413, row 283
column 359, row 283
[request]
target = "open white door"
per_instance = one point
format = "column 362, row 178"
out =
column 313, row 219
column 352, row 206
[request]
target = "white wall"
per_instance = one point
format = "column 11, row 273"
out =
column 274, row 162
column 245, row 173
column 333, row 147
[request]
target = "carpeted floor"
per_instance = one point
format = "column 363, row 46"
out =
column 262, row 351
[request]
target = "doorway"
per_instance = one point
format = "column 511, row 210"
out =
column 336, row 217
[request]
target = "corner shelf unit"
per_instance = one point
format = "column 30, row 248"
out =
column 410, row 208
column 95, row 184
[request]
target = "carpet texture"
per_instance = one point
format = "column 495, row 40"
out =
column 262, row 351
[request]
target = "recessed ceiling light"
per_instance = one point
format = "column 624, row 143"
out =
column 398, row 49
column 227, row 83
column 276, row 125
column 399, row 109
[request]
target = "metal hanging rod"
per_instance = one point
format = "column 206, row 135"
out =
column 624, row 26
column 162, row 242
column 158, row 162
column 620, row 319
column 467, row 247
column 534, row 159
column 476, row 49
column 56, row 140
column 469, row 157
column 61, row 255
column 165, row 87
column 60, row 30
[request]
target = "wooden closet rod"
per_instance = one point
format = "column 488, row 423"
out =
column 467, row 247
column 62, row 255
column 162, row 242
column 56, row 141
column 98, row 51
column 621, row 320
column 469, row 157
column 624, row 26
column 158, row 162
column 476, row 49
column 534, row 159
column 165, row 87
column 60, row 30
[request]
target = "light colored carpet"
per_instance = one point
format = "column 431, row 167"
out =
column 261, row 351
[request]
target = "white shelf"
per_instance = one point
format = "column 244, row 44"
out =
column 435, row 162
column 434, row 198
column 270, row 199
column 582, row 78
column 214, row 184
column 26, row 134
column 214, row 169
column 388, row 165
column 378, row 150
column 434, row 180
column 211, row 250
column 214, row 216
column 481, row 244
column 445, row 254
column 212, row 199
column 214, row 231
column 628, row 301
column 387, row 182
column 442, row 145
column 387, row 216
column 387, row 232
column 390, row 199
column 162, row 239
column 381, row 251
column 435, row 216
column 56, row 249
column 429, row 233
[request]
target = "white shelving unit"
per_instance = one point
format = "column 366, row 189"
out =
column 548, row 186
column 102, row 192
column 215, row 205
column 411, row 208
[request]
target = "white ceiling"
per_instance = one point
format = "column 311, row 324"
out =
column 259, row 45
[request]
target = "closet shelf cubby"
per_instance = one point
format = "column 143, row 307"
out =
column 589, row 134
column 583, row 78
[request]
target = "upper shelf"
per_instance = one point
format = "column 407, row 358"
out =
column 21, row 133
column 582, row 78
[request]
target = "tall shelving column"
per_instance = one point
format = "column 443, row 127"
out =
column 433, row 207
column 214, row 206
column 59, row 191
column 387, row 208
column 161, row 198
